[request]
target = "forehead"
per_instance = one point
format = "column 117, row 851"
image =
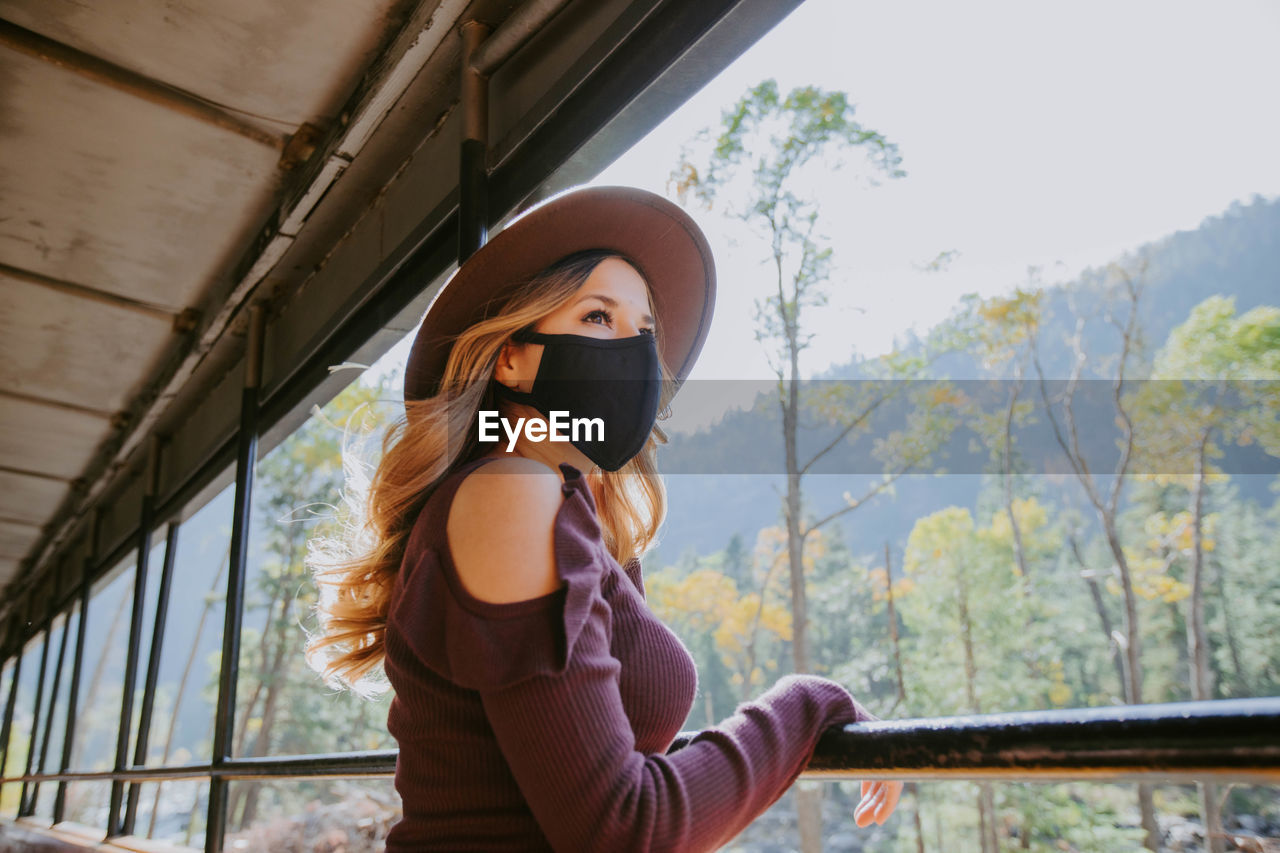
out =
column 619, row 279
column 616, row 283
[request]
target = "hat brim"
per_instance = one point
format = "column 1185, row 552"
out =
column 658, row 236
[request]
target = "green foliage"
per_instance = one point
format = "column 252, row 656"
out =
column 756, row 170
column 1216, row 381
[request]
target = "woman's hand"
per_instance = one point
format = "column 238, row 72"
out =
column 879, row 799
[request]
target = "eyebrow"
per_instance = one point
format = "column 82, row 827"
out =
column 611, row 302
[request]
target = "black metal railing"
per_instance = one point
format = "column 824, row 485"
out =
column 1226, row 739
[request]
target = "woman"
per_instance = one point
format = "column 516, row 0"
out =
column 537, row 698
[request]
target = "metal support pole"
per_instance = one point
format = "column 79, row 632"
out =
column 146, row 518
column 7, row 726
column 53, row 704
column 153, row 675
column 520, row 26
column 23, row 805
column 73, row 698
column 473, row 179
column 246, row 459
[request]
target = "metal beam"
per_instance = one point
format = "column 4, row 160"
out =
column 131, row 82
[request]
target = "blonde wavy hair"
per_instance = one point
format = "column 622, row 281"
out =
column 355, row 570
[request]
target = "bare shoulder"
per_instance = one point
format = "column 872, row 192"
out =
column 500, row 530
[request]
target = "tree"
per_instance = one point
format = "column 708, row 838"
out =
column 776, row 142
column 962, row 584
column 1190, row 402
column 1130, row 282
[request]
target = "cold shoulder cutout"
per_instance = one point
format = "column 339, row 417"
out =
column 499, row 530
column 480, row 644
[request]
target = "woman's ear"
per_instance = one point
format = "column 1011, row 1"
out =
column 512, row 364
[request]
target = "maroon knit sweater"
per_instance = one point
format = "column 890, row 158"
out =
column 546, row 724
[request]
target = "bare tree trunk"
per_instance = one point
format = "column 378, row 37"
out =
column 911, row 790
column 914, row 792
column 1133, row 673
column 799, row 607
column 809, row 817
column 987, row 818
column 1107, row 509
column 937, row 827
column 1090, row 578
column 1201, row 683
column 1133, row 637
column 893, row 630
column 1241, row 680
column 808, row 802
column 986, row 800
column 747, row 687
column 1019, row 552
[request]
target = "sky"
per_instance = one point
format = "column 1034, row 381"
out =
column 1032, row 134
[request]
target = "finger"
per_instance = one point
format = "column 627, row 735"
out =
column 893, row 790
column 861, row 816
column 895, row 794
column 864, row 814
column 871, row 803
column 875, row 801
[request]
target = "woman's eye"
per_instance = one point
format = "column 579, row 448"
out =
column 608, row 318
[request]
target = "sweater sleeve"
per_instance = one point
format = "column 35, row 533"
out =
column 570, row 747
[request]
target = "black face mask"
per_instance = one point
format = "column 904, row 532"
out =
column 617, row 380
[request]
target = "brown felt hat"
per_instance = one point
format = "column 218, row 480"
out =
column 658, row 236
